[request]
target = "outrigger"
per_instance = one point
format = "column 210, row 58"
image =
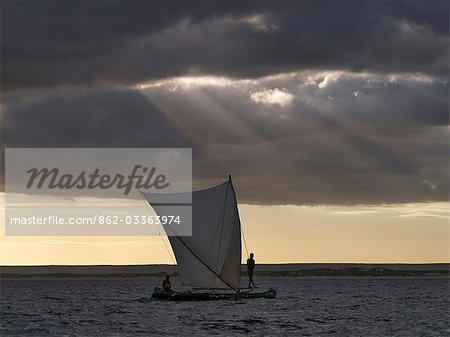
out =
column 208, row 296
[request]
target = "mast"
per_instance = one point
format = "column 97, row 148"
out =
column 237, row 213
column 222, row 225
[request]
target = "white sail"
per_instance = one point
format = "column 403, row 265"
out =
column 211, row 257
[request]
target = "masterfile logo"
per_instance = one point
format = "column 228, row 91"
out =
column 78, row 191
column 55, row 179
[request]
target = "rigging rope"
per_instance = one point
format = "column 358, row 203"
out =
column 245, row 241
column 204, row 263
column 221, row 231
column 159, row 232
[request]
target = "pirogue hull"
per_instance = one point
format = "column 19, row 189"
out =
column 162, row 294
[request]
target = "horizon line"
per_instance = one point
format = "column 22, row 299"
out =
column 260, row 263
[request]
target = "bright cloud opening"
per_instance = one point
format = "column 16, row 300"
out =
column 188, row 82
column 282, row 97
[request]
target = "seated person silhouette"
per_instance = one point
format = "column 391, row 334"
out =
column 167, row 285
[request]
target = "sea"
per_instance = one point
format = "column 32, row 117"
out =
column 304, row 307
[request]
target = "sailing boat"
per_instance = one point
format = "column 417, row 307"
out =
column 209, row 260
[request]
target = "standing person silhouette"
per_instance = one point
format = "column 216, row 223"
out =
column 250, row 268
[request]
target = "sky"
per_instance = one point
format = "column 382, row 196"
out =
column 332, row 117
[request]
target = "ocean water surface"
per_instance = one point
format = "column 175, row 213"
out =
column 304, row 307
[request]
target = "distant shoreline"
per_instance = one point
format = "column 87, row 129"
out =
column 292, row 270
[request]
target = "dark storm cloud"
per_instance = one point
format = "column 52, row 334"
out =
column 356, row 112
column 315, row 149
column 54, row 43
column 90, row 118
